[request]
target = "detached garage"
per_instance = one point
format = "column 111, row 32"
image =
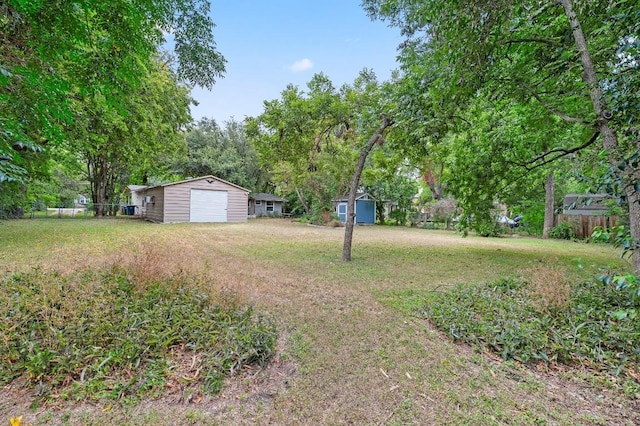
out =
column 203, row 199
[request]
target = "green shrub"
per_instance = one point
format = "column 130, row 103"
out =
column 484, row 223
column 506, row 317
column 325, row 217
column 563, row 231
column 94, row 329
column 533, row 217
column 399, row 215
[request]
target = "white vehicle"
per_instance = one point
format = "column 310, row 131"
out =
column 505, row 220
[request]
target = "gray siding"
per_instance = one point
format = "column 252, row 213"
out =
column 178, row 198
column 261, row 209
column 237, row 206
column 586, row 212
column 155, row 211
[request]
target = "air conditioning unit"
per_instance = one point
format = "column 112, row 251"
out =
column 149, row 199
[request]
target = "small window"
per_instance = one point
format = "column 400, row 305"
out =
column 269, row 206
column 258, row 202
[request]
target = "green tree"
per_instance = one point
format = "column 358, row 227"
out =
column 370, row 105
column 376, row 137
column 300, row 137
column 388, row 178
column 94, row 51
column 559, row 54
column 317, row 142
column 116, row 142
column 224, row 152
column 490, row 157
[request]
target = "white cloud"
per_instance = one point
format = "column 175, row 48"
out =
column 301, row 65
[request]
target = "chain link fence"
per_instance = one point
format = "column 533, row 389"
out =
column 39, row 210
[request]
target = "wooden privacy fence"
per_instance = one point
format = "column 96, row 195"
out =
column 584, row 225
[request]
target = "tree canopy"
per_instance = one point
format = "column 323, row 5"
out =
column 92, row 78
column 567, row 65
column 311, row 138
column 223, row 151
column 54, row 52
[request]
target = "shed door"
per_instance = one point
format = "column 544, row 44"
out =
column 342, row 212
column 365, row 211
column 208, row 206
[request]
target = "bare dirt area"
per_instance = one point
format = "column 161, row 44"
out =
column 346, row 354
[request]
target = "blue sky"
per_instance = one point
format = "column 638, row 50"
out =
column 271, row 43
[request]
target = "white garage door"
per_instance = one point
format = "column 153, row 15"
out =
column 208, row 206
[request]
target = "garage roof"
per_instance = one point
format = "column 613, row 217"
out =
column 208, row 178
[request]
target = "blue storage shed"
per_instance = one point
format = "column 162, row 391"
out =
column 365, row 209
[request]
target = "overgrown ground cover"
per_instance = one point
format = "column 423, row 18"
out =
column 352, row 348
column 544, row 321
column 111, row 335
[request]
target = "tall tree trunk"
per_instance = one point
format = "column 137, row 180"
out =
column 429, row 177
column 303, row 201
column 630, row 181
column 19, row 213
column 609, row 137
column 380, row 212
column 549, row 200
column 353, row 189
column 97, row 174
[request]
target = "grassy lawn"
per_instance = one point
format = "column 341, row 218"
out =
column 351, row 348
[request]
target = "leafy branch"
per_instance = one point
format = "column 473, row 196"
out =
column 532, row 40
column 549, row 107
column 555, row 153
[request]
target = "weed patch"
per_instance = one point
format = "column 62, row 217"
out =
column 563, row 231
column 99, row 334
column 537, row 324
column 549, row 288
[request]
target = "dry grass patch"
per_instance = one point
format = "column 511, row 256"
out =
column 549, row 287
column 360, row 359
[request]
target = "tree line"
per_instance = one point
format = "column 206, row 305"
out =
column 494, row 101
column 89, row 82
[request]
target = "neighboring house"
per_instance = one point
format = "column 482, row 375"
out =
column 135, row 197
column 585, row 204
column 365, row 209
column 203, row 199
column 263, row 204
